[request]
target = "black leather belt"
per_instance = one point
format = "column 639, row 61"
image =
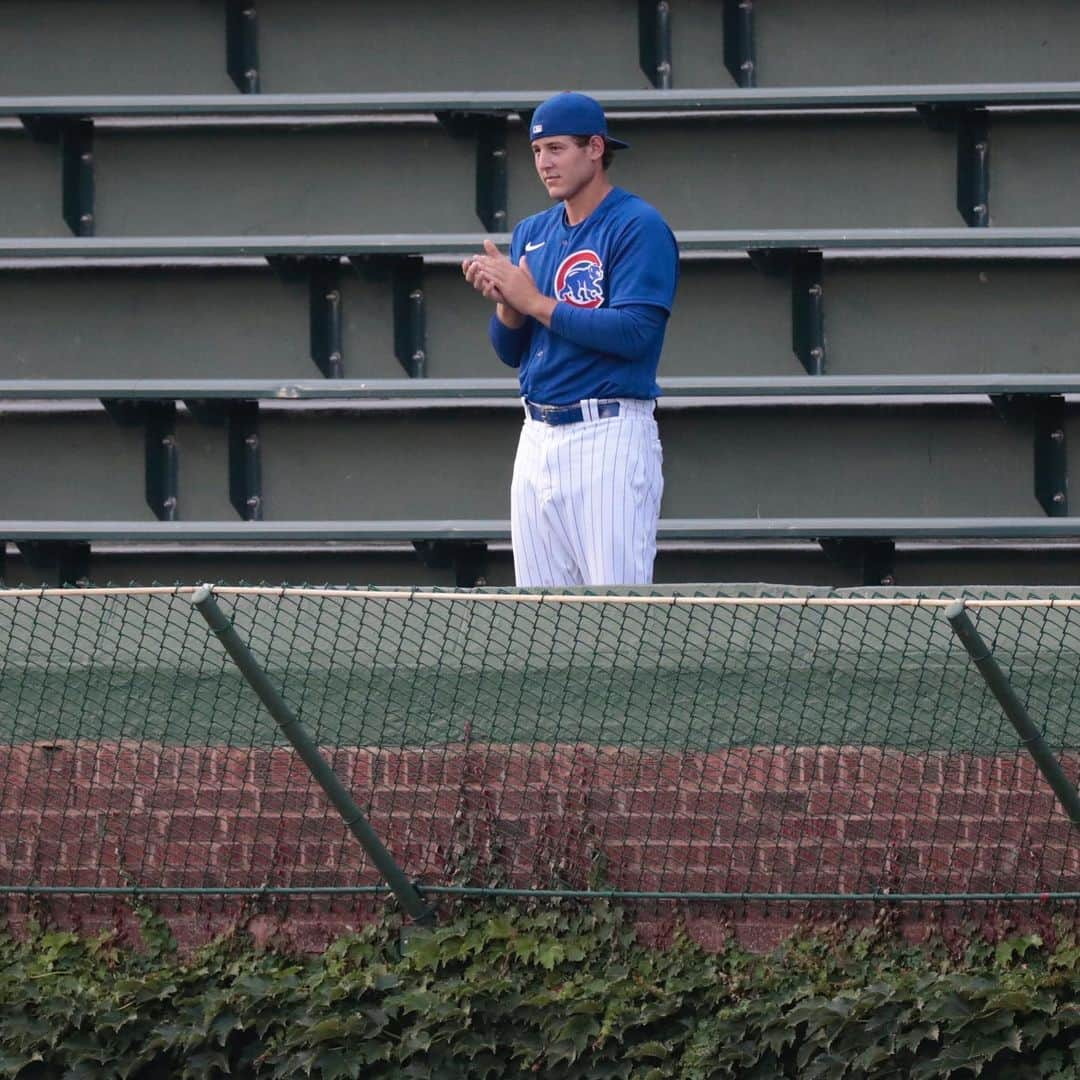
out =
column 568, row 414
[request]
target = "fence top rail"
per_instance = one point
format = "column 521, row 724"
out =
column 1029, row 528
column 1009, row 240
column 541, row 597
column 478, row 388
column 683, row 100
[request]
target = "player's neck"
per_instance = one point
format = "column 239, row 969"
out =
column 582, row 203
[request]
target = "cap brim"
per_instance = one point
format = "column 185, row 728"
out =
column 615, row 144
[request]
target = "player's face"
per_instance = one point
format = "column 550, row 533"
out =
column 564, row 167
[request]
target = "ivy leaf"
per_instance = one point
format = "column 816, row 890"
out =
column 13, row 1064
column 1015, row 948
column 333, row 1064
column 655, row 1050
column 550, row 954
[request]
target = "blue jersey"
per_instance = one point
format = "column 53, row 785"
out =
column 622, row 254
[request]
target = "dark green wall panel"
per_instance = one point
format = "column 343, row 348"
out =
column 112, row 47
column 918, row 41
column 83, row 467
column 325, row 45
column 382, row 179
column 787, row 461
column 131, row 322
column 881, row 317
column 960, row 317
column 805, row 462
column 30, row 182
column 1034, row 164
column 173, row 46
column 729, row 317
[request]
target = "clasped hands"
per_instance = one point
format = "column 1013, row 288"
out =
column 511, row 287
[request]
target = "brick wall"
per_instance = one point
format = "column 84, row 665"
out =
column 757, row 819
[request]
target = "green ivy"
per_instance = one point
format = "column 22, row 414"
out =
column 559, row 992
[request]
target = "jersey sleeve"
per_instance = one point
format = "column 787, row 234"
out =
column 510, row 345
column 645, row 267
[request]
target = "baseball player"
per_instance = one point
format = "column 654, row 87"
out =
column 582, row 304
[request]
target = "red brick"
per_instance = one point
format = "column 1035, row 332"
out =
column 594, row 801
column 973, row 805
column 779, row 802
column 979, row 772
column 1017, row 775
column 92, row 798
column 186, row 765
column 393, row 767
column 188, row 828
column 630, row 827
column 120, row 763
column 842, row 801
column 231, row 800
column 711, row 804
column 810, row 828
column 527, row 801
column 954, row 770
column 1026, row 807
column 302, row 800
column 652, row 801
column 952, row 859
column 994, row 832
column 233, row 765
column 528, row 766
column 362, row 776
column 171, row 797
column 420, row 802
column 939, row 830
column 806, row 760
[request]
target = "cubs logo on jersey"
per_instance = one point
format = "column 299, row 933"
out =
column 579, row 279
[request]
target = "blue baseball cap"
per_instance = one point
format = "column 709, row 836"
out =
column 571, row 113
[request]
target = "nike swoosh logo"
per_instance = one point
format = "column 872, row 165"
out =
column 533, row 247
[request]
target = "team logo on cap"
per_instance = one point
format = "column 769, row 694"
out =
column 578, row 279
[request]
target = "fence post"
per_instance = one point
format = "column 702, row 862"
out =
column 406, row 892
column 1014, row 709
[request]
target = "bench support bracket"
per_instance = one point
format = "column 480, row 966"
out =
column 739, row 56
column 161, row 452
column 654, row 42
column 873, row 560
column 467, row 558
column 241, row 45
column 1046, row 416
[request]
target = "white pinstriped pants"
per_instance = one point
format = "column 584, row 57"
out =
column 585, row 499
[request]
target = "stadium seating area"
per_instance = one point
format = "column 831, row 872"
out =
column 236, row 344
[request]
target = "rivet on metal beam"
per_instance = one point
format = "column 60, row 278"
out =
column 1051, row 459
column 324, row 285
column 1044, row 416
column 489, row 132
column 654, row 42
column 77, row 151
column 808, row 311
column 739, row 56
column 162, row 459
column 245, row 459
column 410, row 324
column 491, row 173
column 241, row 45
column 973, row 167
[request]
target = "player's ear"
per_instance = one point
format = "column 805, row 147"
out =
column 597, row 147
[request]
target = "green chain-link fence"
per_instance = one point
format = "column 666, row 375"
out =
column 786, row 746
